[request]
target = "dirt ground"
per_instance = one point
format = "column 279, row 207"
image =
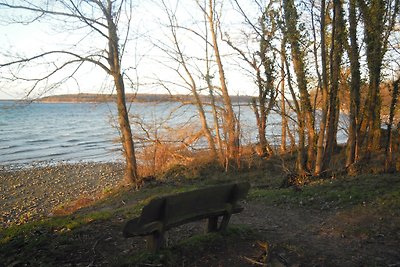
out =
column 275, row 236
column 264, row 234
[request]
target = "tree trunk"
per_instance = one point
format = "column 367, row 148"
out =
column 307, row 119
column 335, row 61
column 301, row 159
column 284, row 124
column 230, row 120
column 204, row 125
column 325, row 103
column 127, row 142
column 373, row 17
column 390, row 164
column 353, row 140
column 123, row 117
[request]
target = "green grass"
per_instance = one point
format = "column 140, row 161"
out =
column 378, row 190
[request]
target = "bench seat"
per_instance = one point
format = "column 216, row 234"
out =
column 164, row 213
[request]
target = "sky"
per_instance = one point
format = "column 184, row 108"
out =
column 144, row 61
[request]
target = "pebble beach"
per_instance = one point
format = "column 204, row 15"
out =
column 33, row 192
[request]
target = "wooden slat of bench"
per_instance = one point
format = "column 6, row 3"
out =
column 199, row 216
column 192, row 204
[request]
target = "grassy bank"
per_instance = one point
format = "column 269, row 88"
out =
column 313, row 224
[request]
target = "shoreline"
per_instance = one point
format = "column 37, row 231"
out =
column 35, row 191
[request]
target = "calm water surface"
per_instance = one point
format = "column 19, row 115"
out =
column 39, row 132
column 76, row 132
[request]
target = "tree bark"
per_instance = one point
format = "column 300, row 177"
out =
column 335, row 61
column 373, row 17
column 306, row 120
column 131, row 175
column 324, row 88
column 390, row 163
column 353, row 140
column 284, row 123
column 230, row 119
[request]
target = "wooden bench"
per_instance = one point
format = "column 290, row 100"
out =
column 163, row 213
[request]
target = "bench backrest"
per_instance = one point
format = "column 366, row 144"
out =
column 178, row 208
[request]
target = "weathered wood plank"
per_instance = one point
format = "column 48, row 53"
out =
column 163, row 213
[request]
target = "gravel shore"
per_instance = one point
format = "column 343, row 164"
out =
column 33, row 192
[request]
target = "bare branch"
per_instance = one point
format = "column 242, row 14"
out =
column 42, row 55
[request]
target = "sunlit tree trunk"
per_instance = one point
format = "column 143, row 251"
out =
column 102, row 22
column 374, row 16
column 353, row 139
column 335, row 61
column 306, row 121
column 230, row 119
column 190, row 81
column 301, row 159
column 219, row 143
column 390, row 163
column 123, row 117
column 324, row 99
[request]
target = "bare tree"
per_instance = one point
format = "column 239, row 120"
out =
column 186, row 74
column 231, row 124
column 100, row 19
column 262, row 63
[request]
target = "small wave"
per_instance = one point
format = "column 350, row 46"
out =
column 19, row 151
column 73, row 140
column 35, row 141
column 8, row 147
column 90, row 143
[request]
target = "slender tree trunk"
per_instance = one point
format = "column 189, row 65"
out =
column 284, row 124
column 335, row 61
column 373, row 17
column 219, row 145
column 230, row 120
column 204, row 125
column 301, row 159
column 262, row 141
column 353, row 140
column 390, row 164
column 216, row 121
column 324, row 88
column 307, row 120
column 193, row 87
column 131, row 175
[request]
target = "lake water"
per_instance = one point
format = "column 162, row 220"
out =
column 76, row 132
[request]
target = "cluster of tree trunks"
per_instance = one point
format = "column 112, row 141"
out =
column 277, row 30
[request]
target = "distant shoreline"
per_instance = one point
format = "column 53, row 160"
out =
column 140, row 98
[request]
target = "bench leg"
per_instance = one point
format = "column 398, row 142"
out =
column 212, row 224
column 224, row 222
column 155, row 241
